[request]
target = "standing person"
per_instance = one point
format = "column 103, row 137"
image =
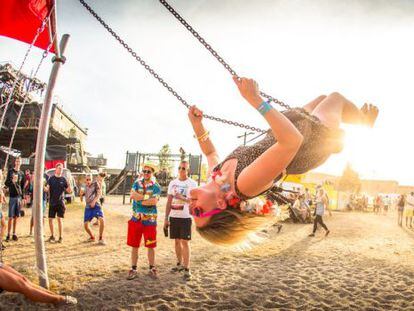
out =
column 145, row 193
column 44, row 202
column 101, row 181
column 409, row 210
column 387, row 203
column 400, row 206
column 308, row 197
column 2, row 221
column 93, row 209
column 321, row 204
column 15, row 183
column 26, row 189
column 178, row 218
column 57, row 185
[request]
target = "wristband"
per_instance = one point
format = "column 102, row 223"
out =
column 264, row 108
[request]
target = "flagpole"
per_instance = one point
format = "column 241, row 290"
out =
column 39, row 167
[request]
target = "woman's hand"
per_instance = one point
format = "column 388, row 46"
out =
column 195, row 115
column 249, row 89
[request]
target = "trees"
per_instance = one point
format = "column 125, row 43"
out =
column 164, row 157
column 349, row 180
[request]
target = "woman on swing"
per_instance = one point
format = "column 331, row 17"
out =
column 294, row 144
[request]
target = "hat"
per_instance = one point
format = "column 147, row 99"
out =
column 151, row 166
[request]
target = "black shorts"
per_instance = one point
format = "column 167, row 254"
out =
column 58, row 210
column 180, row 228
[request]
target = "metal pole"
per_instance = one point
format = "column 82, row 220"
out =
column 42, row 136
column 199, row 169
column 124, row 185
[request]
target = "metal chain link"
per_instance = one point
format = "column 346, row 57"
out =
column 157, row 76
column 38, row 32
column 220, row 59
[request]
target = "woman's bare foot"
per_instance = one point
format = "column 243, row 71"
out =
column 370, row 114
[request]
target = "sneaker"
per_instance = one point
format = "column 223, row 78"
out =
column 187, row 274
column 102, row 242
column 132, row 274
column 69, row 301
column 153, row 272
column 7, row 238
column 60, row 240
column 177, row 268
column 312, row 234
column 327, row 232
column 91, row 239
column 14, row 237
column 51, row 239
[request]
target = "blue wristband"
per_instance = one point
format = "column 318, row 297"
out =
column 264, row 108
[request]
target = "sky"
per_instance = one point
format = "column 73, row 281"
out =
column 296, row 50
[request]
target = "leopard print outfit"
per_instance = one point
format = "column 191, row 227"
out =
column 314, row 151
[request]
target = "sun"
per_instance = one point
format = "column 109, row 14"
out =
column 361, row 150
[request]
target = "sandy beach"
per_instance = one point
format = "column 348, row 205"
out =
column 366, row 263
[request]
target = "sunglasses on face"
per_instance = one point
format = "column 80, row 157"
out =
column 147, row 171
column 182, row 168
column 88, row 179
column 198, row 212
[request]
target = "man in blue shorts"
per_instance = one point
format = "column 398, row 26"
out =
column 15, row 183
column 92, row 194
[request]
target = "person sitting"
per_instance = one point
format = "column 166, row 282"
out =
column 13, row 281
column 299, row 140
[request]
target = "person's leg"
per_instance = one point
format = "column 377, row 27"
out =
column 101, row 227
column 151, row 256
column 309, row 107
column 60, row 226
column 335, row 109
column 134, row 257
column 31, row 226
column 12, row 282
column 185, row 247
column 14, row 224
column 51, row 227
column 320, row 219
column 315, row 224
column 178, row 251
column 88, row 230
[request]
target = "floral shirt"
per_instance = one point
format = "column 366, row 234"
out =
column 146, row 214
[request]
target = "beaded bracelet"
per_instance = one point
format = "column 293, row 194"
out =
column 264, row 108
column 203, row 137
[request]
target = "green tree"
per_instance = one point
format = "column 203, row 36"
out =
column 349, row 180
column 164, row 157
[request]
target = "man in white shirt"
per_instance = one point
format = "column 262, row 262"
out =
column 178, row 218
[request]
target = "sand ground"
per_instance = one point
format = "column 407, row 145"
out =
column 367, row 263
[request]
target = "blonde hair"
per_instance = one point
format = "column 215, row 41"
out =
column 232, row 226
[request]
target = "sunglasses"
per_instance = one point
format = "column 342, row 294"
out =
column 88, row 179
column 147, row 171
column 198, row 212
column 182, row 168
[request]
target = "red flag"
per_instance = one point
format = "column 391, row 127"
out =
column 20, row 19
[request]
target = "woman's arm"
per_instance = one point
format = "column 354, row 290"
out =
column 259, row 175
column 196, row 118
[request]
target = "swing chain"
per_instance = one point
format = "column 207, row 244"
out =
column 214, row 52
column 156, row 76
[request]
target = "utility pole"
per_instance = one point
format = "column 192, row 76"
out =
column 245, row 137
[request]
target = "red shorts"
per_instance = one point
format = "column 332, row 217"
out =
column 135, row 232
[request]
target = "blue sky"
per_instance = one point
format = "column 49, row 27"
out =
column 296, row 50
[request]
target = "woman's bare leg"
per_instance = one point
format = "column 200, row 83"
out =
column 15, row 283
column 335, row 109
column 309, row 107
